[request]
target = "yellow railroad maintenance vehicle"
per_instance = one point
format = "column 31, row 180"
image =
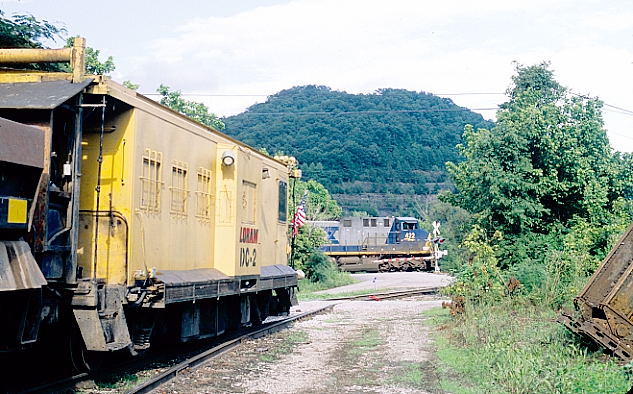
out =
column 128, row 223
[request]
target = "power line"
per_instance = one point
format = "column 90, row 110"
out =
column 622, row 110
column 404, row 111
column 266, row 95
column 211, row 95
column 471, row 94
column 625, row 111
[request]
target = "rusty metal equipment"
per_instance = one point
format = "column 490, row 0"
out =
column 605, row 304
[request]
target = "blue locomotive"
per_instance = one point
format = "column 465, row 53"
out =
column 378, row 244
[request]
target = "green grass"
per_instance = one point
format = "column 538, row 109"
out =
column 369, row 339
column 287, row 341
column 118, row 381
column 412, row 374
column 515, row 347
column 323, row 296
column 337, row 280
column 364, row 347
column 307, row 288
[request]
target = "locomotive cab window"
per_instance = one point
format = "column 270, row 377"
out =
column 373, row 222
column 347, row 223
column 365, row 222
column 283, row 201
column 408, row 226
column 386, row 223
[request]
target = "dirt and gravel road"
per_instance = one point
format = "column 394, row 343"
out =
column 392, row 281
column 361, row 347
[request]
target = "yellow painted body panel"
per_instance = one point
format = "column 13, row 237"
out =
column 165, row 239
column 154, row 168
column 116, row 193
column 224, row 256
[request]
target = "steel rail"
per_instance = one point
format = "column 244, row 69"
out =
column 228, row 345
column 388, row 295
column 216, row 351
column 59, row 385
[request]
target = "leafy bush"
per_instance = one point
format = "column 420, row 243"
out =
column 481, row 279
column 319, row 268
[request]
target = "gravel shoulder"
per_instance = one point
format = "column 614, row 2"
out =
column 360, row 347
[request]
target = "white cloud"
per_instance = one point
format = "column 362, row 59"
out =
column 360, row 46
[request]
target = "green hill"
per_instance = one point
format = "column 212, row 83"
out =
column 391, row 141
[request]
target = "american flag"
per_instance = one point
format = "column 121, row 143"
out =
column 300, row 216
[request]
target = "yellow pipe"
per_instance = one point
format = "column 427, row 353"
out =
column 74, row 56
column 35, row 55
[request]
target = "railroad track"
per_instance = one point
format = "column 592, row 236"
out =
column 388, row 295
column 59, row 385
column 69, row 383
column 216, row 351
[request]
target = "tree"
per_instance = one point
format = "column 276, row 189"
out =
column 455, row 224
column 25, row 31
column 546, row 162
column 319, row 203
column 319, row 206
column 93, row 64
column 359, row 143
column 194, row 110
column 130, row 85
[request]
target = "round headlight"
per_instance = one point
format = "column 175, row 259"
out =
column 228, row 158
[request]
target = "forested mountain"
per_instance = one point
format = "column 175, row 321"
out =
column 390, row 141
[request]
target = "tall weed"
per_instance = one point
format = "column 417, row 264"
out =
column 516, row 347
column 481, row 279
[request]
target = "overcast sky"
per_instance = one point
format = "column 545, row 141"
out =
column 243, row 50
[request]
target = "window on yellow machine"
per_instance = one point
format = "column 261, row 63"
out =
column 179, row 188
column 203, row 194
column 249, row 202
column 151, row 180
column 283, row 202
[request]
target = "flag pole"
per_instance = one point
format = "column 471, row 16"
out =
column 292, row 252
column 298, row 221
column 294, row 237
